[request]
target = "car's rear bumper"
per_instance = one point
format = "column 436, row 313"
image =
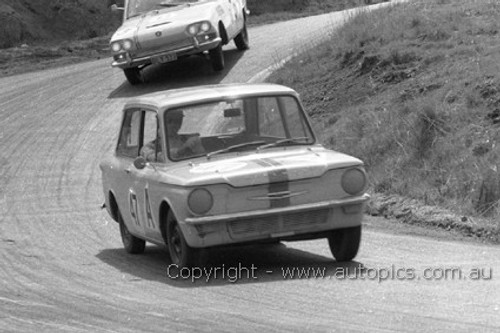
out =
column 126, row 61
column 275, row 223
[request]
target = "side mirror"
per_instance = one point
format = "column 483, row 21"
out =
column 140, row 162
column 115, row 8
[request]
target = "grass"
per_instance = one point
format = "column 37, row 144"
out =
column 265, row 12
column 414, row 91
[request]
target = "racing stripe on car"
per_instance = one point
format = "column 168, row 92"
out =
column 278, row 182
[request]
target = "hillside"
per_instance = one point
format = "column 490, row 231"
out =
column 25, row 21
column 414, row 91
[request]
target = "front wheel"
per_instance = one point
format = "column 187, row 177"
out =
column 181, row 253
column 133, row 75
column 241, row 40
column 344, row 243
column 217, row 58
column 131, row 243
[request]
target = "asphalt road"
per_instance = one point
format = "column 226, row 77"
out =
column 63, row 268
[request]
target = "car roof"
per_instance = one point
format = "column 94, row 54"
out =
column 176, row 97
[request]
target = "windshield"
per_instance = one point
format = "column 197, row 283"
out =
column 248, row 124
column 139, row 7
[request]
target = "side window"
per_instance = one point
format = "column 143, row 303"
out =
column 128, row 143
column 151, row 150
column 270, row 121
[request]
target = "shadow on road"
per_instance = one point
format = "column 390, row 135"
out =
column 232, row 265
column 186, row 72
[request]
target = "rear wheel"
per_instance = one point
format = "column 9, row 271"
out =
column 217, row 58
column 133, row 75
column 181, row 253
column 344, row 243
column 241, row 40
column 131, row 243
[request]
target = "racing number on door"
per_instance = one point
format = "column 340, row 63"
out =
column 134, row 211
column 133, row 207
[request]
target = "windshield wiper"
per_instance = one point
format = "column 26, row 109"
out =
column 233, row 147
column 283, row 141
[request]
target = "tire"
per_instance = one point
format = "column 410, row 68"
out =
column 181, row 253
column 344, row 243
column 217, row 58
column 241, row 40
column 133, row 75
column 131, row 243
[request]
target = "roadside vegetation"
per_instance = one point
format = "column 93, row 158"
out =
column 414, row 91
column 50, row 33
column 266, row 12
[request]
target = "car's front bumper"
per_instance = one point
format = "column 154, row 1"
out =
column 127, row 61
column 275, row 223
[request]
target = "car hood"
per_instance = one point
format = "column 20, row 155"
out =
column 165, row 18
column 261, row 168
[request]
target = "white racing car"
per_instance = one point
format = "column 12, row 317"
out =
column 160, row 31
column 216, row 165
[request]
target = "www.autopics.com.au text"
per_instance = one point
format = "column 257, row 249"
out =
column 233, row 274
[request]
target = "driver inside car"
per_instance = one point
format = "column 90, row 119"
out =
column 181, row 145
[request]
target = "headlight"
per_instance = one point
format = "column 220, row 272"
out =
column 127, row 44
column 205, row 26
column 353, row 181
column 199, row 27
column 200, row 201
column 192, row 29
column 116, row 46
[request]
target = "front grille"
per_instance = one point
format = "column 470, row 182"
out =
column 145, row 51
column 262, row 225
column 305, row 218
column 277, row 223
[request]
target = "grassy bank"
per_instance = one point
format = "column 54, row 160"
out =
column 414, row 91
column 265, row 12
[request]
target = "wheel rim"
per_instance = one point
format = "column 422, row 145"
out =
column 176, row 244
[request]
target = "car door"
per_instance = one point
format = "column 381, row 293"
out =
column 129, row 144
column 149, row 176
column 139, row 129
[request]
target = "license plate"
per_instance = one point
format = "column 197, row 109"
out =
column 164, row 58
